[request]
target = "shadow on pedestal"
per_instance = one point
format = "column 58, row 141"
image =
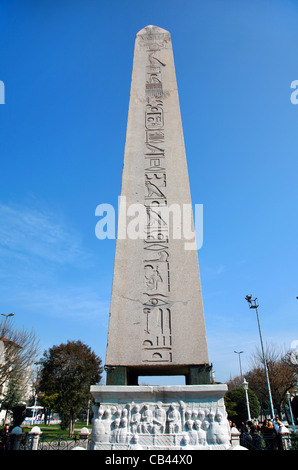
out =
column 194, row 375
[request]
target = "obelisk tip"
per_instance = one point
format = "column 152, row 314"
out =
column 152, row 29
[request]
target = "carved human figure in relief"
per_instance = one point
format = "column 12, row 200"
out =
column 116, row 426
column 202, row 417
column 123, row 426
column 174, row 419
column 193, row 438
column 107, row 421
column 188, row 421
column 135, row 420
column 159, row 420
column 146, row 419
column 212, row 430
column 223, row 430
column 98, row 428
column 201, row 433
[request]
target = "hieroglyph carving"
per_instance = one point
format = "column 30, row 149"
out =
column 157, row 339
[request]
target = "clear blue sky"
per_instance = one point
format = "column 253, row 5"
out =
column 66, row 66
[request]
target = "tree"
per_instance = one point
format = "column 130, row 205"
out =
column 67, row 371
column 14, row 394
column 282, row 376
column 236, row 398
column 18, row 353
column 230, row 407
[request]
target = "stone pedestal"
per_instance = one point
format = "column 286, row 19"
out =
column 160, row 418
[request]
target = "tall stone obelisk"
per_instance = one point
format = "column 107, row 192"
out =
column 156, row 321
column 156, row 324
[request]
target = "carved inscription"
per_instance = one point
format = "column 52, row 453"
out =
column 157, row 315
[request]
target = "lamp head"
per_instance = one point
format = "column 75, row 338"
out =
column 245, row 384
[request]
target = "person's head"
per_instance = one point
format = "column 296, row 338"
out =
column 198, row 424
column 189, row 424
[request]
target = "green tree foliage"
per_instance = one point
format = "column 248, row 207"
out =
column 236, row 398
column 14, row 394
column 230, row 407
column 67, row 371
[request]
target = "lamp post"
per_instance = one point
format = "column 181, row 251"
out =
column 290, row 408
column 245, row 386
column 240, row 352
column 6, row 317
column 253, row 303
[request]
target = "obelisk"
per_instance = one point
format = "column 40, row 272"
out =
column 156, row 323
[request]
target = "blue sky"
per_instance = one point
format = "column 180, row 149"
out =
column 67, row 68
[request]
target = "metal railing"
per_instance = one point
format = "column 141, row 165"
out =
column 43, row 441
column 59, row 442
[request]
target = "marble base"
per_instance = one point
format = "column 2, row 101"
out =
column 160, row 418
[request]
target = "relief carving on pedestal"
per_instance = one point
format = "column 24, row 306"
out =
column 147, row 424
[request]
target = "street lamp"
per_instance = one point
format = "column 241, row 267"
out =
column 6, row 317
column 253, row 303
column 239, row 352
column 245, row 386
column 290, row 408
column 7, row 314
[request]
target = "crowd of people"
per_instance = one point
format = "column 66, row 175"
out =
column 4, row 437
column 256, row 436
